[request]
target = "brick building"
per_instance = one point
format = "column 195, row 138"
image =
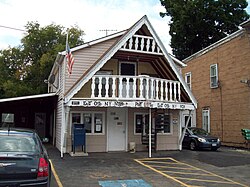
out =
column 219, row 77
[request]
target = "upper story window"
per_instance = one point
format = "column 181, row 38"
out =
column 213, row 76
column 188, row 79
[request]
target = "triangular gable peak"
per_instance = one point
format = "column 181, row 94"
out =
column 140, row 38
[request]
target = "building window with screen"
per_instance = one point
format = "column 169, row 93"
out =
column 188, row 79
column 214, row 76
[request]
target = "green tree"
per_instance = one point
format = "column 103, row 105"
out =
column 24, row 68
column 195, row 24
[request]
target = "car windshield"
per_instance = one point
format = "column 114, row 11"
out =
column 17, row 144
column 197, row 131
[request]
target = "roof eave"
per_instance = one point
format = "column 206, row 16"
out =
column 214, row 45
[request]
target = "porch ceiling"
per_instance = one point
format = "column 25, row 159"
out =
column 158, row 62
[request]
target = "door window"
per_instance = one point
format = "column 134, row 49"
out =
column 189, row 123
column 141, row 123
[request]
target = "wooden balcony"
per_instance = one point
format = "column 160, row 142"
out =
column 115, row 87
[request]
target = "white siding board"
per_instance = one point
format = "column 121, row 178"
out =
column 84, row 59
column 59, row 111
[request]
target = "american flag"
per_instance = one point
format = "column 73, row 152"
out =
column 70, row 59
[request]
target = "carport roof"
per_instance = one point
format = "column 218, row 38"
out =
column 27, row 97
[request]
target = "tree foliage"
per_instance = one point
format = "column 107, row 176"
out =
column 195, row 24
column 24, row 68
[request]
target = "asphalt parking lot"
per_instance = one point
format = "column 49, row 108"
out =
column 225, row 167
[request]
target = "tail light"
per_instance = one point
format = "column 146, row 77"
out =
column 43, row 168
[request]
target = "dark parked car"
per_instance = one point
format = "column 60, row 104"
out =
column 197, row 138
column 23, row 159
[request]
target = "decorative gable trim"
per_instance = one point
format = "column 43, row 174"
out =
column 141, row 44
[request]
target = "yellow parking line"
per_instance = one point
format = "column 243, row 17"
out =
column 148, row 159
column 186, row 173
column 173, row 167
column 161, row 173
column 151, row 161
column 203, row 180
column 55, row 175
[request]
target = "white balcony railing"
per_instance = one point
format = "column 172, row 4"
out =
column 142, row 44
column 134, row 88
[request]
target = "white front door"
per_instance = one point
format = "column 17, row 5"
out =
column 116, row 124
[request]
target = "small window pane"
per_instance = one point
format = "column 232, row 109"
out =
column 167, row 124
column 87, row 120
column 76, row 118
column 98, row 128
column 138, row 123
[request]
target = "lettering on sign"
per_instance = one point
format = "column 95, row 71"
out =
column 87, row 103
column 92, row 103
column 75, row 102
column 138, row 104
column 119, row 103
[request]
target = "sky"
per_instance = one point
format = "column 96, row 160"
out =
column 92, row 16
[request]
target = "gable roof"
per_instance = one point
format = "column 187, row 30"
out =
column 125, row 36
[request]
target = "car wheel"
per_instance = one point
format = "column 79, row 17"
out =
column 192, row 145
column 214, row 148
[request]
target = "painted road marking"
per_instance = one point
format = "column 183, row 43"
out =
column 175, row 170
column 55, row 175
column 124, row 183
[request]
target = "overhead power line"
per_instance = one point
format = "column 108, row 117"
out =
column 6, row 27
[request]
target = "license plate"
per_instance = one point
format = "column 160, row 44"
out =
column 214, row 144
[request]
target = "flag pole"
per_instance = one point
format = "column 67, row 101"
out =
column 67, row 40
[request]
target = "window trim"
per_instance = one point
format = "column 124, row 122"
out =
column 92, row 121
column 190, row 81
column 216, row 75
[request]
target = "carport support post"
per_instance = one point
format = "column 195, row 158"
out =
column 184, row 130
column 150, row 125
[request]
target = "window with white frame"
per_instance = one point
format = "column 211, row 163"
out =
column 213, row 76
column 141, row 123
column 206, row 119
column 188, row 79
column 93, row 121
